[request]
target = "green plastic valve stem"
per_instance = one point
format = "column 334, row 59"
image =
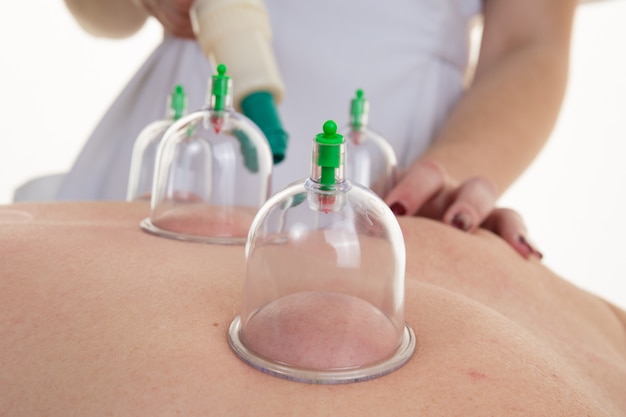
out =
column 358, row 109
column 329, row 152
column 178, row 102
column 219, row 88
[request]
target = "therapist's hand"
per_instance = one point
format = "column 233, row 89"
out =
column 173, row 15
column 426, row 190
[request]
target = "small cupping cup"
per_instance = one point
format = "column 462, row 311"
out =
column 212, row 173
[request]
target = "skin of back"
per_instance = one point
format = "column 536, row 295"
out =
column 99, row 318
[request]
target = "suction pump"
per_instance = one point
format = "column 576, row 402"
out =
column 212, row 173
column 323, row 294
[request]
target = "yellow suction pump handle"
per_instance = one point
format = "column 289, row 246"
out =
column 237, row 33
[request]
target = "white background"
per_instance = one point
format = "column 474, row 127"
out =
column 56, row 82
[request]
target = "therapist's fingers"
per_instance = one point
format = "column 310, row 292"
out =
column 172, row 14
column 421, row 182
column 509, row 225
column 473, row 201
column 175, row 19
column 178, row 12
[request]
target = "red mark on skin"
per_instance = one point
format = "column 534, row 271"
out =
column 476, row 375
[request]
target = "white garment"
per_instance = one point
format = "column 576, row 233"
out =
column 408, row 56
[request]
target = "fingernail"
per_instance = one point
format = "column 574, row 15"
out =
column 529, row 247
column 462, row 221
column 398, row 209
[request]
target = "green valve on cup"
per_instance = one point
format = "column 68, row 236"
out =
column 329, row 152
column 358, row 109
column 219, row 88
column 178, row 102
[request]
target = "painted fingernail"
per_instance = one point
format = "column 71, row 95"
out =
column 462, row 221
column 398, row 209
column 529, row 247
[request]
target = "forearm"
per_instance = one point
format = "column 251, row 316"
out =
column 504, row 119
column 108, row 18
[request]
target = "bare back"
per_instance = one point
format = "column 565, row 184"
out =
column 100, row 318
